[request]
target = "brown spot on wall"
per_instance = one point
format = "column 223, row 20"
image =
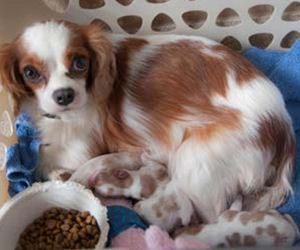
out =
column 249, row 241
column 148, row 185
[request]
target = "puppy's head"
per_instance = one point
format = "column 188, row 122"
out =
column 61, row 64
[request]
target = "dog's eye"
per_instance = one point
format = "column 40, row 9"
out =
column 79, row 64
column 31, row 74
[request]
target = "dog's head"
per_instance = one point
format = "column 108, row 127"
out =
column 60, row 64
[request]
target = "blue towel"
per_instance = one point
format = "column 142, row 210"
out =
column 121, row 218
column 22, row 158
column 283, row 68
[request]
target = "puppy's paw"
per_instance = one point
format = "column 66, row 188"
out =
column 163, row 213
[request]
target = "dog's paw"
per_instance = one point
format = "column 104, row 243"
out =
column 59, row 175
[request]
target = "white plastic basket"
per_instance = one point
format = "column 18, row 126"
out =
column 237, row 23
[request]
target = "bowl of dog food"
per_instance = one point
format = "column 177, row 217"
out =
column 53, row 215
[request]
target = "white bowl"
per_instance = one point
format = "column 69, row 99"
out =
column 26, row 206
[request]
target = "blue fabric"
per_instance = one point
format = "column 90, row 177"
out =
column 22, row 158
column 121, row 218
column 283, row 68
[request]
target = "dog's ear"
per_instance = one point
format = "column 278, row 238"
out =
column 10, row 76
column 103, row 65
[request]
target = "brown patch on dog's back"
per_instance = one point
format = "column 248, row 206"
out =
column 117, row 135
column 244, row 71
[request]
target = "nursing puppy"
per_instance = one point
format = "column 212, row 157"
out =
column 215, row 122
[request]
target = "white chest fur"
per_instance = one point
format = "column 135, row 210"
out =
column 67, row 142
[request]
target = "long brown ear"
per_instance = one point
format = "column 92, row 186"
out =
column 103, row 65
column 10, row 77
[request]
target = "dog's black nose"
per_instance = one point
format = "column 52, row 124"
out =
column 63, row 97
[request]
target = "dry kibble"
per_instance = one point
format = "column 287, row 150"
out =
column 51, row 224
column 65, row 227
column 88, row 219
column 58, row 228
column 84, row 214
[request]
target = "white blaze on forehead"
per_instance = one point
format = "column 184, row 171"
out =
column 47, row 40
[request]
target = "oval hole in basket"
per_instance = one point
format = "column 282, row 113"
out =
column 124, row 2
column 292, row 12
column 232, row 43
column 194, row 18
column 157, row 1
column 261, row 40
column 131, row 24
column 58, row 6
column 261, row 13
column 103, row 25
column 228, row 17
column 91, row 4
column 289, row 39
column 162, row 23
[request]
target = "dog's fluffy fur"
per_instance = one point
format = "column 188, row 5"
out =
column 191, row 104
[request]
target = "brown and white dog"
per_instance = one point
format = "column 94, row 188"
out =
column 217, row 125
